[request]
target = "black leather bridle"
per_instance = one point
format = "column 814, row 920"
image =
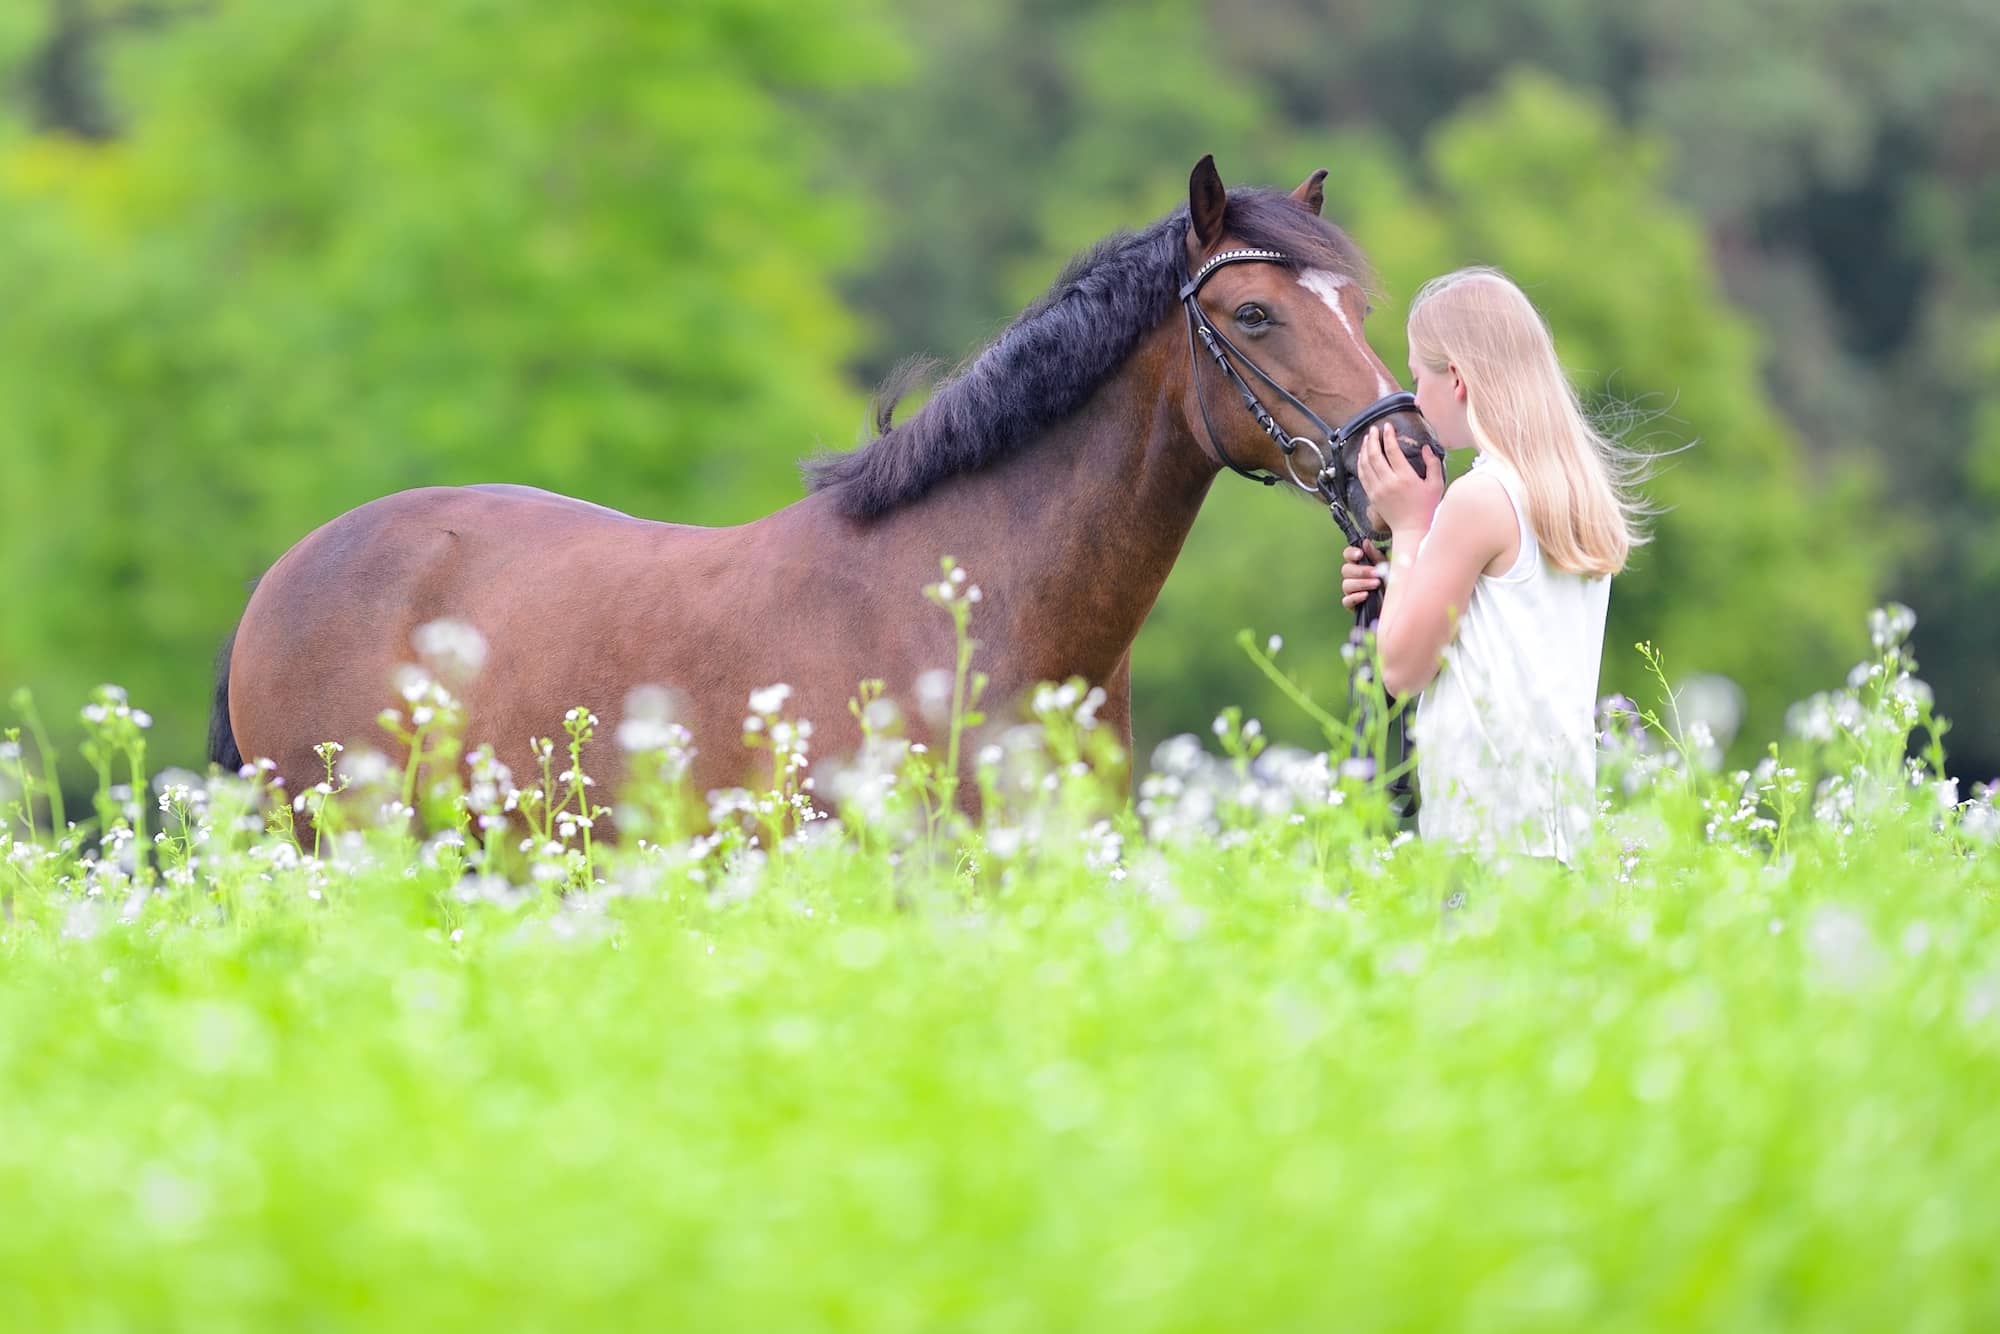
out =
column 1330, row 474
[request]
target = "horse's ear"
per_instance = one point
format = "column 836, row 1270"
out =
column 1206, row 202
column 1309, row 192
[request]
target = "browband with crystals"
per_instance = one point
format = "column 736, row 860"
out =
column 1193, row 284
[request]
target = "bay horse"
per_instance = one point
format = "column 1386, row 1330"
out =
column 1062, row 467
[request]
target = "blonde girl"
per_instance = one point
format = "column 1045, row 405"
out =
column 1497, row 587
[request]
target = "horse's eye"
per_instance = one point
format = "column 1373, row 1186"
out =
column 1251, row 315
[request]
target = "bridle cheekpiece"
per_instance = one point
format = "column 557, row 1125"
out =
column 1329, row 476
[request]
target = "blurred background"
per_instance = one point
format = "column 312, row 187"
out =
column 260, row 263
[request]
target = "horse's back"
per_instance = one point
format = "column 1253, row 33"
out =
column 328, row 624
column 577, row 602
column 422, row 533
column 551, row 498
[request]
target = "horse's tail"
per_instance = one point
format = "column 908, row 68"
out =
column 222, row 748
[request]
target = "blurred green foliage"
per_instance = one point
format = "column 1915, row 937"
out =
column 1239, row 1059
column 352, row 248
column 288, row 258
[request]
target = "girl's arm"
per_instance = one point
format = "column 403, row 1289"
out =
column 1471, row 525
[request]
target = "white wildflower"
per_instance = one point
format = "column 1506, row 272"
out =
column 642, row 734
column 450, row 647
column 364, row 767
column 1086, row 712
column 412, row 684
column 1890, row 625
column 1840, row 945
column 934, row 690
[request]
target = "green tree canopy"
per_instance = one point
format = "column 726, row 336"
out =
column 348, row 248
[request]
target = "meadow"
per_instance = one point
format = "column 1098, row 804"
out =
column 415, row 1049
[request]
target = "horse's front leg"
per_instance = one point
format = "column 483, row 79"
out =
column 1117, row 712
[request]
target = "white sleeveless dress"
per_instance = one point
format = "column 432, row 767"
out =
column 1505, row 733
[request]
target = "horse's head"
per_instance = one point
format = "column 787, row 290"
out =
column 1275, row 304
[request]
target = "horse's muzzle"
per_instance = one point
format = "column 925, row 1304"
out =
column 1419, row 446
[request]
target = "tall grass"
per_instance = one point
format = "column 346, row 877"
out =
column 413, row 1049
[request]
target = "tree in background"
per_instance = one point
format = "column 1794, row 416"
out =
column 1025, row 131
column 352, row 246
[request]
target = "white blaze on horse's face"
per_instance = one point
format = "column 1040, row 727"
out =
column 1332, row 288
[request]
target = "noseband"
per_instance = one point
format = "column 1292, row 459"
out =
column 1329, row 474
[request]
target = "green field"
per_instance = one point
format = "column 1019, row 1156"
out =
column 1233, row 1056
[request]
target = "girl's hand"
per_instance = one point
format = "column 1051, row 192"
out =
column 1359, row 576
column 1401, row 500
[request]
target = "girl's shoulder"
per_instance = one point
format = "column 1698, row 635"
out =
column 1481, row 499
column 1481, row 510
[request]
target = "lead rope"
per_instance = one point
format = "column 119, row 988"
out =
column 1396, row 745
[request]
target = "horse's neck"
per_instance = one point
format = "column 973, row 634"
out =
column 1074, row 534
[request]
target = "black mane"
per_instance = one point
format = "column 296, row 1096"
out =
column 1056, row 353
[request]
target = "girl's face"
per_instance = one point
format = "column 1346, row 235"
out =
column 1441, row 398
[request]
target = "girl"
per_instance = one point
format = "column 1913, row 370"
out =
column 1495, row 610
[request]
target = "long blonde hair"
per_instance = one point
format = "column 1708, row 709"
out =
column 1582, row 503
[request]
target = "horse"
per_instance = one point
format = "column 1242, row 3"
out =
column 1063, row 466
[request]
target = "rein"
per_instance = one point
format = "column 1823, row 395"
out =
column 1330, row 475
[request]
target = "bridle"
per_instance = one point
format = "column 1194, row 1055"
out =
column 1329, row 474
